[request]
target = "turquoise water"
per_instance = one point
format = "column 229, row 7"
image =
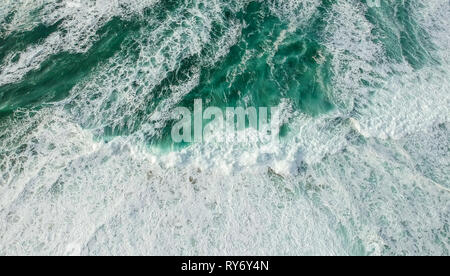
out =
column 87, row 94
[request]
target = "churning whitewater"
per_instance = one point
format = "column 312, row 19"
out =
column 87, row 94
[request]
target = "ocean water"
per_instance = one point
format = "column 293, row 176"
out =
column 87, row 90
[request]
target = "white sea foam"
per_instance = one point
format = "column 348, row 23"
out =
column 158, row 56
column 81, row 19
column 297, row 12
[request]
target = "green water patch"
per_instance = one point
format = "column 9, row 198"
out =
column 268, row 65
column 4, row 23
column 160, row 11
column 402, row 37
column 61, row 72
column 156, row 19
column 19, row 41
column 416, row 42
column 8, row 21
